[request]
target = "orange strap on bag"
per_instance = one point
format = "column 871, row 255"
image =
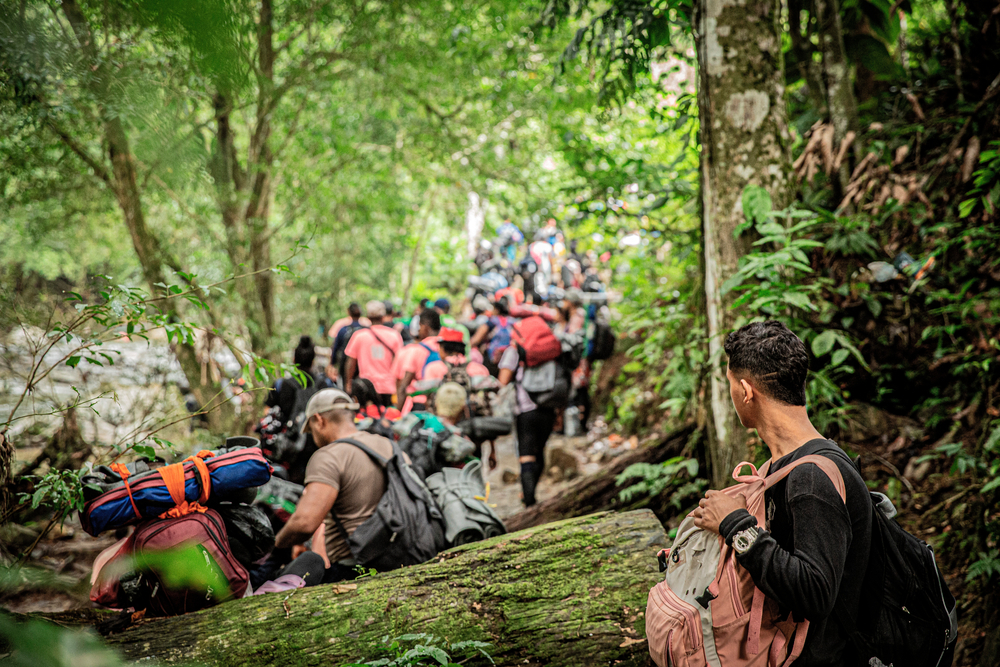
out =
column 173, row 478
column 124, row 472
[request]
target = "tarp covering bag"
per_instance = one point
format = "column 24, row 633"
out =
column 462, row 497
column 406, row 527
column 707, row 612
column 536, row 341
column 127, row 496
column 144, row 570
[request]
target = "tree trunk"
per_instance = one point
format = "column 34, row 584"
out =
column 598, row 491
column 6, row 475
column 244, row 196
column 570, row 593
column 743, row 135
column 123, row 182
column 842, row 107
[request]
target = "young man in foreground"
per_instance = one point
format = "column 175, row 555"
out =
column 812, row 555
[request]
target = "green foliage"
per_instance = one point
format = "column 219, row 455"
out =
column 185, row 567
column 428, row 650
column 985, row 195
column 60, row 490
column 677, row 475
column 37, row 643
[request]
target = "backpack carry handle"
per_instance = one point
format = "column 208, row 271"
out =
column 752, row 477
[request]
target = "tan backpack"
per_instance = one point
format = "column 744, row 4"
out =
column 707, row 612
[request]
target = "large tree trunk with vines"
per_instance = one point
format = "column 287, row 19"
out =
column 570, row 593
column 599, row 491
column 743, row 135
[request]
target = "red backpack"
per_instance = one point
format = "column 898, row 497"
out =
column 535, row 338
column 142, row 572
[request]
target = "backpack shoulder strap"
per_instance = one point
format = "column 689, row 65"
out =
column 824, row 463
column 382, row 461
column 392, row 354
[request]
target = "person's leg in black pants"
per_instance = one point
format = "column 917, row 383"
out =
column 533, row 431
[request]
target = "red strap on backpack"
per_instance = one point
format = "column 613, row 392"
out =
column 173, row 478
column 124, row 472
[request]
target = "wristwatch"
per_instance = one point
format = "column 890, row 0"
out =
column 743, row 540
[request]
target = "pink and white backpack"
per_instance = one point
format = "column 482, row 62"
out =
column 708, row 612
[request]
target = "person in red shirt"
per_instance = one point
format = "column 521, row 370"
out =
column 371, row 352
column 452, row 354
column 408, row 368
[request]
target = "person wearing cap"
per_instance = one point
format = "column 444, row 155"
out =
column 408, row 368
column 452, row 351
column 370, row 353
column 443, row 306
column 341, row 484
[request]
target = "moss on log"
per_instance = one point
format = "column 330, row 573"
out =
column 568, row 593
column 599, row 491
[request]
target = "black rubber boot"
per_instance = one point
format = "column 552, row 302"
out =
column 530, row 473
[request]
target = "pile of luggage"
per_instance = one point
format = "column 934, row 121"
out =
column 197, row 532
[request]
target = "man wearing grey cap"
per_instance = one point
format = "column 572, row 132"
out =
column 342, row 483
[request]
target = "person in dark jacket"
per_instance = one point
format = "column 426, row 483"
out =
column 285, row 391
column 812, row 554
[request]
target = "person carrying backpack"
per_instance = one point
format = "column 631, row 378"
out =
column 371, row 352
column 341, row 332
column 454, row 366
column 495, row 332
column 350, row 476
column 286, row 390
column 534, row 347
column 812, row 554
column 408, row 366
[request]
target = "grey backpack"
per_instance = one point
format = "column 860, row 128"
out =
column 406, row 527
column 462, row 497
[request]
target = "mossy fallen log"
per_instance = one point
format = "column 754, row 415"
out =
column 568, row 593
column 599, row 492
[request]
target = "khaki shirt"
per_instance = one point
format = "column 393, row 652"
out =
column 360, row 483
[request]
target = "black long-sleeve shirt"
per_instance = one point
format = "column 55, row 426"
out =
column 814, row 553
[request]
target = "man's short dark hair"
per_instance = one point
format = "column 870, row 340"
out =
column 354, row 310
column 432, row 319
column 773, row 357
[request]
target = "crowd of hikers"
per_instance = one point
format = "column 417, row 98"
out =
column 371, row 451
column 370, row 456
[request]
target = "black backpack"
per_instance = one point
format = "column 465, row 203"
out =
column 423, row 446
column 406, row 527
column 907, row 615
column 341, row 357
column 602, row 343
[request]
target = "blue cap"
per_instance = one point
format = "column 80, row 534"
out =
column 443, row 304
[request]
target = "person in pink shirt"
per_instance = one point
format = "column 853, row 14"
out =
column 371, row 353
column 411, row 360
column 452, row 354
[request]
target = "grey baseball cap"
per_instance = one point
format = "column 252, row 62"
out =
column 325, row 400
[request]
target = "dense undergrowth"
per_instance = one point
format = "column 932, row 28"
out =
column 893, row 281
